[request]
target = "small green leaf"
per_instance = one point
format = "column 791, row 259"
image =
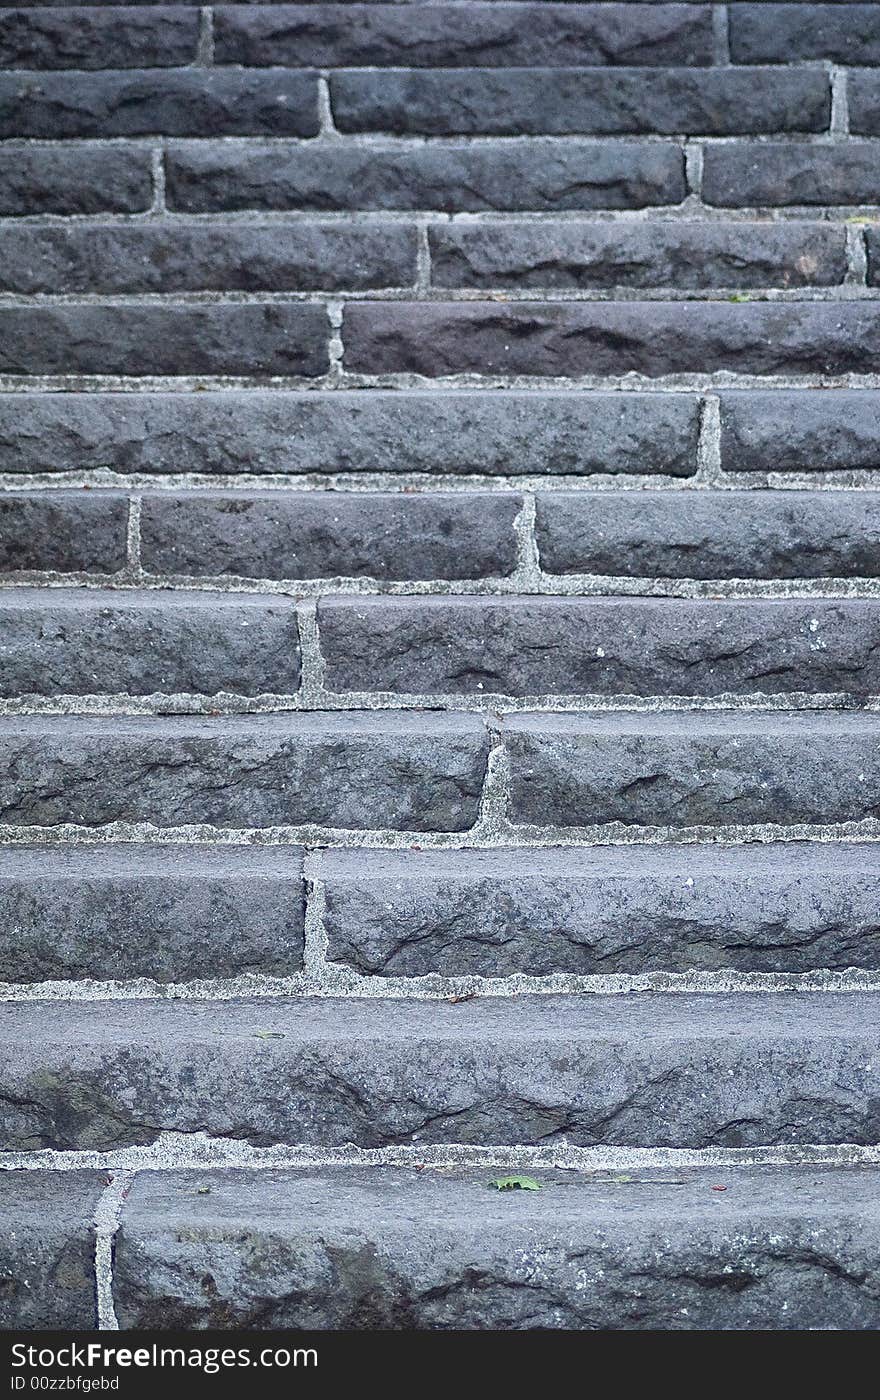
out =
column 515, row 1183
column 739, row 296
column 269, row 1035
column 203, row 1191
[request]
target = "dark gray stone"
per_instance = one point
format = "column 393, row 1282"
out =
column 700, row 769
column 457, row 432
column 389, row 1248
column 84, row 643
column 863, row 93
column 182, row 257
column 600, row 646
column 112, row 37
column 650, row 337
column 873, row 245
column 588, row 101
column 783, row 33
column 279, row 338
column 354, row 771
column 776, row 430
column 745, row 1070
column 157, row 101
column 617, row 909
column 538, row 175
column 737, row 534
column 78, row 179
column 330, row 535
column 687, row 254
column 47, row 1250
column 170, row 913
column 65, row 530
column 449, row 36
column 755, row 174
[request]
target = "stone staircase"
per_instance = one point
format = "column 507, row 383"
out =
column 440, row 451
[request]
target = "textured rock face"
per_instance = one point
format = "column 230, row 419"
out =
column 350, row 770
column 387, row 1248
column 47, row 1247
column 613, row 909
column 66, row 530
column 747, row 174
column 775, row 431
column 599, row 646
column 259, row 431
column 84, row 179
column 624, row 1071
column 165, row 913
column 693, row 770
column 160, row 36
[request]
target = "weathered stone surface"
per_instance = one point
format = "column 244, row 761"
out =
column 257, row 431
column 449, row 36
column 65, row 530
column 157, row 101
column 685, row 1071
column 600, row 646
column 539, row 175
column 182, row 257
column 781, row 431
column 784, row 33
column 280, row 338
column 85, row 37
column 330, row 535
column 47, row 1249
column 355, row 771
column 650, row 337
column 68, row 642
column 618, row 909
column 863, row 93
column 78, row 179
column 584, row 101
column 687, row 254
column 873, row 245
column 701, row 769
column 750, row 175
column 740, row 534
column 380, row 1247
column 170, row 913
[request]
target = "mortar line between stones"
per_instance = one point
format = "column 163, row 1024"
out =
column 134, row 567
column 157, row 176
column 856, row 256
column 107, row 1220
column 205, row 45
column 839, row 101
column 721, row 36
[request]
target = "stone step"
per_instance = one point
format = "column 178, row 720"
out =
column 599, row 646
column 745, row 1070
column 83, row 642
column 624, row 909
column 169, row 913
column 455, row 432
column 407, row 772
column 47, row 1249
column 395, row 1248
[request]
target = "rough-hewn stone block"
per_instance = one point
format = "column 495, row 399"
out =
column 784, row 33
column 80, row 179
column 751, row 175
column 781, row 431
column 863, row 92
column 86, row 37
column 47, row 1249
column 65, row 530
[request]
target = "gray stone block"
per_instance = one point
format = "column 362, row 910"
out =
column 79, row 179
column 686, row 254
column 388, row 1248
column 354, row 771
column 47, row 1250
column 280, row 338
column 160, row 102
column 746, row 1070
column 706, row 535
column 863, row 94
column 781, row 431
column 585, row 101
column 651, row 337
column 448, row 36
column 701, row 769
column 181, row 257
column 66, row 642
column 873, row 246
column 256, row 431
column 784, row 33
column 617, row 909
column 86, row 38
column 754, row 174
column 170, row 913
column 330, row 535
column 600, row 646
column 64, row 530
column 537, row 175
